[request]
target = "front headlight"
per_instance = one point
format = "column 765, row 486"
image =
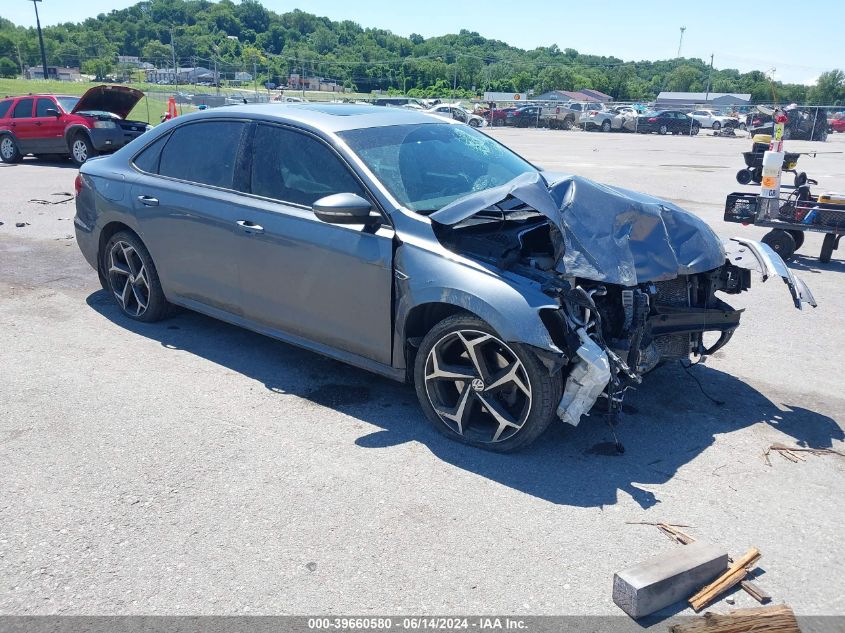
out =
column 105, row 125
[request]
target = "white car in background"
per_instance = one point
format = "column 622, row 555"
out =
column 459, row 114
column 712, row 119
column 604, row 119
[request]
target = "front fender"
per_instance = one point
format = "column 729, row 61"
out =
column 508, row 303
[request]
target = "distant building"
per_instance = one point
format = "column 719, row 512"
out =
column 243, row 77
column 57, row 73
column 675, row 99
column 189, row 75
column 296, row 82
column 588, row 95
column 129, row 60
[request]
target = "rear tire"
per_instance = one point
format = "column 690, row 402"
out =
column 529, row 398
column 605, row 125
column 781, row 243
column 132, row 279
column 9, row 152
column 717, row 125
column 663, row 130
column 568, row 123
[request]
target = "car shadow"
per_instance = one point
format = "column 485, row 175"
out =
column 810, row 264
column 670, row 420
column 65, row 163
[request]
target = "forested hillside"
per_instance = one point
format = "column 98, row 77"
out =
column 246, row 36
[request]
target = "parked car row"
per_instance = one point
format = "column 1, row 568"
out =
column 596, row 116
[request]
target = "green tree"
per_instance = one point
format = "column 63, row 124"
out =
column 829, row 89
column 8, row 68
column 683, row 79
column 99, row 67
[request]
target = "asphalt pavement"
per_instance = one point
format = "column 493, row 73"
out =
column 192, row 467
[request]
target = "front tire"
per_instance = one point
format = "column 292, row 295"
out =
column 81, row 149
column 717, row 125
column 132, row 279
column 9, row 152
column 477, row 389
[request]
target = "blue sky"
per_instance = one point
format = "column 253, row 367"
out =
column 631, row 30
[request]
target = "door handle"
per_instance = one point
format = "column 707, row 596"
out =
column 148, row 201
column 38, row 123
column 250, row 227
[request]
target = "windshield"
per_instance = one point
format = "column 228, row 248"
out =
column 67, row 103
column 427, row 166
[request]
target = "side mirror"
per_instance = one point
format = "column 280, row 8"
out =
column 53, row 112
column 344, row 208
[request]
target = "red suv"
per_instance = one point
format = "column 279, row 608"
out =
column 79, row 127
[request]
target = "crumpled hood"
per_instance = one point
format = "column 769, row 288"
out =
column 606, row 233
column 118, row 100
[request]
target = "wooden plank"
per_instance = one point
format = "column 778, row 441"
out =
column 755, row 591
column 675, row 534
column 772, row 619
column 735, row 574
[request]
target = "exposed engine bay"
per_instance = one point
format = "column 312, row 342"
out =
column 635, row 278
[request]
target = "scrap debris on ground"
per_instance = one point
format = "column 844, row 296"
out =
column 772, row 619
column 68, row 198
column 791, row 453
column 735, row 574
column 669, row 529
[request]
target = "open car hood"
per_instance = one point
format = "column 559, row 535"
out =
column 605, row 233
column 118, row 100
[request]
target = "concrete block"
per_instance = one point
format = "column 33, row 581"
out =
column 665, row 579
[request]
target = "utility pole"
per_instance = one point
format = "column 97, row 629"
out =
column 455, row 81
column 709, row 75
column 173, row 58
column 20, row 60
column 40, row 39
column 255, row 79
column 681, row 42
column 302, row 79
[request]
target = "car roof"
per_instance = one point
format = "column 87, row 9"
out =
column 327, row 117
column 38, row 95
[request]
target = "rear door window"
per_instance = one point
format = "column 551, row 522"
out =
column 23, row 109
column 148, row 159
column 204, row 153
column 293, row 167
column 4, row 107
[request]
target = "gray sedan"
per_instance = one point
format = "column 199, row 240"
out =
column 416, row 248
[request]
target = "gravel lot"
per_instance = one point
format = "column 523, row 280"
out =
column 192, row 467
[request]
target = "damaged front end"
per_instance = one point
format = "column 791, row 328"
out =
column 635, row 278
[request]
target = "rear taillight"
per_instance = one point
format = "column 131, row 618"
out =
column 593, row 113
column 653, row 119
column 78, row 183
column 757, row 122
